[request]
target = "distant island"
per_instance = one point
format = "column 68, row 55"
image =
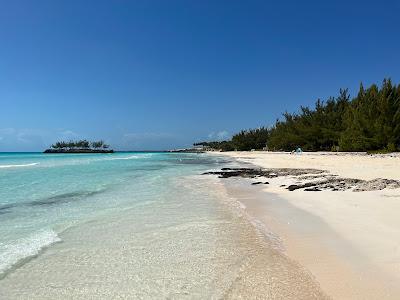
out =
column 82, row 146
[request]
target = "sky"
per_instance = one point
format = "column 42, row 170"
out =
column 154, row 75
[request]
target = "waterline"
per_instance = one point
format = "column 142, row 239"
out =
column 138, row 228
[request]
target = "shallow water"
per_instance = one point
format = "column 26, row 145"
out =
column 132, row 225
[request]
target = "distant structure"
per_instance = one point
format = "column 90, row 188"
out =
column 201, row 148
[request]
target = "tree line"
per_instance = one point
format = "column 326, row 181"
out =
column 370, row 121
column 80, row 144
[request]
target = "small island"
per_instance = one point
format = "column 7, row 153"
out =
column 81, row 146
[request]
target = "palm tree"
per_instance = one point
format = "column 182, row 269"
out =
column 71, row 144
column 56, row 145
column 97, row 144
column 85, row 144
column 79, row 145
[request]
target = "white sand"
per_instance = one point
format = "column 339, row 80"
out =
column 350, row 241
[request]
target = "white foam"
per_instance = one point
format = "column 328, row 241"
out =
column 11, row 254
column 129, row 157
column 18, row 166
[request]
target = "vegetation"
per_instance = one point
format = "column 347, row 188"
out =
column 317, row 129
column 250, row 139
column 368, row 122
column 79, row 146
column 223, row 145
column 243, row 141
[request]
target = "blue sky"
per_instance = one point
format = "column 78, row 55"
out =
column 164, row 74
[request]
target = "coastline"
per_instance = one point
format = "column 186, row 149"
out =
column 172, row 234
column 349, row 241
column 177, row 233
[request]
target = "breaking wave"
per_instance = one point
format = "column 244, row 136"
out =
column 18, row 166
column 20, row 251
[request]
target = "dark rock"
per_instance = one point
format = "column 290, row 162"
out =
column 268, row 173
column 320, row 179
column 313, row 189
column 294, row 187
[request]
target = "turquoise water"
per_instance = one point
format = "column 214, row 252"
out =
column 43, row 195
column 133, row 226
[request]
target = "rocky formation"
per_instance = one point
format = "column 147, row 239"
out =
column 268, row 173
column 310, row 180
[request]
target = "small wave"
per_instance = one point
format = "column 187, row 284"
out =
column 15, row 254
column 129, row 157
column 18, row 166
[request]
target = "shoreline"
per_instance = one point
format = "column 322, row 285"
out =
column 197, row 235
column 347, row 240
column 186, row 240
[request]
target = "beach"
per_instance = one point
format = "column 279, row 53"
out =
column 163, row 225
column 346, row 233
column 134, row 226
column 199, row 150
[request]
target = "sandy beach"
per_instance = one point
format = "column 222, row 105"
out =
column 153, row 228
column 349, row 240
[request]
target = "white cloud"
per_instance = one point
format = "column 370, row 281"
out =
column 220, row 135
column 23, row 139
column 7, row 131
column 31, row 139
column 146, row 135
column 148, row 141
column 66, row 134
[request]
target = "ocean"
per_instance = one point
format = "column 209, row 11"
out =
column 132, row 225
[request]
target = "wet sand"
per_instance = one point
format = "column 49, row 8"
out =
column 349, row 241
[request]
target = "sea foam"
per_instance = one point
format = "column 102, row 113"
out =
column 18, row 166
column 129, row 157
column 25, row 248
